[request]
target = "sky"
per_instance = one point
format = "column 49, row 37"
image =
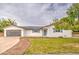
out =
column 33, row 14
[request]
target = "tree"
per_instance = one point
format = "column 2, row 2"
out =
column 69, row 22
column 73, row 11
column 63, row 23
column 6, row 22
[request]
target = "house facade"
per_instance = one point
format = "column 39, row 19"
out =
column 35, row 31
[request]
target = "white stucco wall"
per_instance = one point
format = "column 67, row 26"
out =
column 64, row 33
column 29, row 33
column 50, row 33
column 67, row 33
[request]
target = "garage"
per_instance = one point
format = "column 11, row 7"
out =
column 12, row 31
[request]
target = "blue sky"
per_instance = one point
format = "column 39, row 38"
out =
column 29, row 14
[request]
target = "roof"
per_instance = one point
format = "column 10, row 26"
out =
column 30, row 27
column 34, row 27
column 47, row 25
column 12, row 27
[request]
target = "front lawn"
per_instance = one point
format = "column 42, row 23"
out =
column 53, row 46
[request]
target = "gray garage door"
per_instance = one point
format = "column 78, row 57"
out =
column 13, row 32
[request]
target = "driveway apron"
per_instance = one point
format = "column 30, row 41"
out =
column 7, row 43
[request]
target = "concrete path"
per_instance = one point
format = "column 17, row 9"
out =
column 18, row 49
column 7, row 43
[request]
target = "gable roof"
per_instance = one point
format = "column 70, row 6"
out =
column 31, row 27
column 34, row 27
column 47, row 25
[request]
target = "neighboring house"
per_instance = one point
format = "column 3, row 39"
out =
column 36, row 31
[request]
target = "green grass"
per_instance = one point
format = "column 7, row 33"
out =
column 53, row 46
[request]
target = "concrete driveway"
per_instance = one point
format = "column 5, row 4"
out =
column 7, row 43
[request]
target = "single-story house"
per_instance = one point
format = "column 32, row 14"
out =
column 36, row 31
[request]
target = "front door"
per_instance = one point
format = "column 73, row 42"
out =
column 45, row 32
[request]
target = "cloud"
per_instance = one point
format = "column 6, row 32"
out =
column 33, row 14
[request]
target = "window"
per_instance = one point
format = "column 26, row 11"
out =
column 36, row 31
column 55, row 30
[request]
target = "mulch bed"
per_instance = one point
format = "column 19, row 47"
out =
column 18, row 49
